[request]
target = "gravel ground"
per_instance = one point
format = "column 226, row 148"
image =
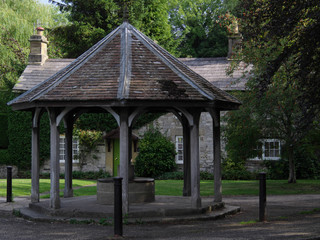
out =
column 288, row 217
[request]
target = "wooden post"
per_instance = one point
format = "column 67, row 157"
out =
column 186, row 158
column 54, row 161
column 68, row 191
column 195, row 161
column 124, row 158
column 35, row 163
column 217, row 157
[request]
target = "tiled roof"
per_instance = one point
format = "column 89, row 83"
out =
column 125, row 65
column 214, row 70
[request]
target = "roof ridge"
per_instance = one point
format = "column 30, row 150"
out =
column 126, row 60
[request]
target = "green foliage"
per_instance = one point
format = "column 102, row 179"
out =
column 17, row 20
column 92, row 20
column 195, row 26
column 103, row 122
column 19, row 132
column 180, row 175
column 206, row 175
column 88, row 139
column 241, row 132
column 4, row 157
column 171, row 175
column 280, row 41
column 3, row 130
column 276, row 169
column 232, row 170
column 156, row 155
column 284, row 33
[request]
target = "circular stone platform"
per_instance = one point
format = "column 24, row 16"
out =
column 140, row 190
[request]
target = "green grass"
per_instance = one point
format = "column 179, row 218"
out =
column 22, row 187
column 230, row 187
column 249, row 222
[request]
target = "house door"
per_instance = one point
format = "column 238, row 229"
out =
column 116, row 156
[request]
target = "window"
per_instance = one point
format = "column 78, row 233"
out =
column 75, row 149
column 179, row 149
column 268, row 149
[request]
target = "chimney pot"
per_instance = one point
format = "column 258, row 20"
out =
column 40, row 30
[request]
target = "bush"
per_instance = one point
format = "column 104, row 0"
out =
column 206, row 176
column 235, row 171
column 4, row 157
column 3, row 131
column 156, row 155
column 171, row 176
column 277, row 169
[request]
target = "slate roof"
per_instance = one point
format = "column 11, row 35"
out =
column 125, row 65
column 212, row 69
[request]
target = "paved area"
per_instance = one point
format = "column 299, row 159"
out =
column 288, row 217
column 164, row 209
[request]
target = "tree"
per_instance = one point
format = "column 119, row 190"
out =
column 17, row 19
column 17, row 23
column 280, row 40
column 92, row 20
column 195, row 26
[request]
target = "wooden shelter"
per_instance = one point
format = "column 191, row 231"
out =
column 125, row 74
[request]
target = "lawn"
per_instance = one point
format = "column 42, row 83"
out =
column 22, row 187
column 229, row 187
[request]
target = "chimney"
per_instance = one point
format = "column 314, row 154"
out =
column 38, row 48
column 234, row 39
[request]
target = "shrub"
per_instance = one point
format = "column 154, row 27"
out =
column 206, row 175
column 156, row 155
column 4, row 157
column 171, row 176
column 3, row 131
column 232, row 170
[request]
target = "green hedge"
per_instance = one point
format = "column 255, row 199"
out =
column 4, row 142
column 19, row 131
column 4, row 157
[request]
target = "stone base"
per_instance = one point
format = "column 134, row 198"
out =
column 140, row 190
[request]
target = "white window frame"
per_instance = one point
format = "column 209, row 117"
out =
column 179, row 148
column 263, row 157
column 62, row 149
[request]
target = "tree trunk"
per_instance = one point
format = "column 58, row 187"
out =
column 292, row 167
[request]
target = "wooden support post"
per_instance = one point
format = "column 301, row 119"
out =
column 186, row 158
column 124, row 158
column 35, row 163
column 217, row 157
column 68, row 191
column 54, row 161
column 195, row 161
